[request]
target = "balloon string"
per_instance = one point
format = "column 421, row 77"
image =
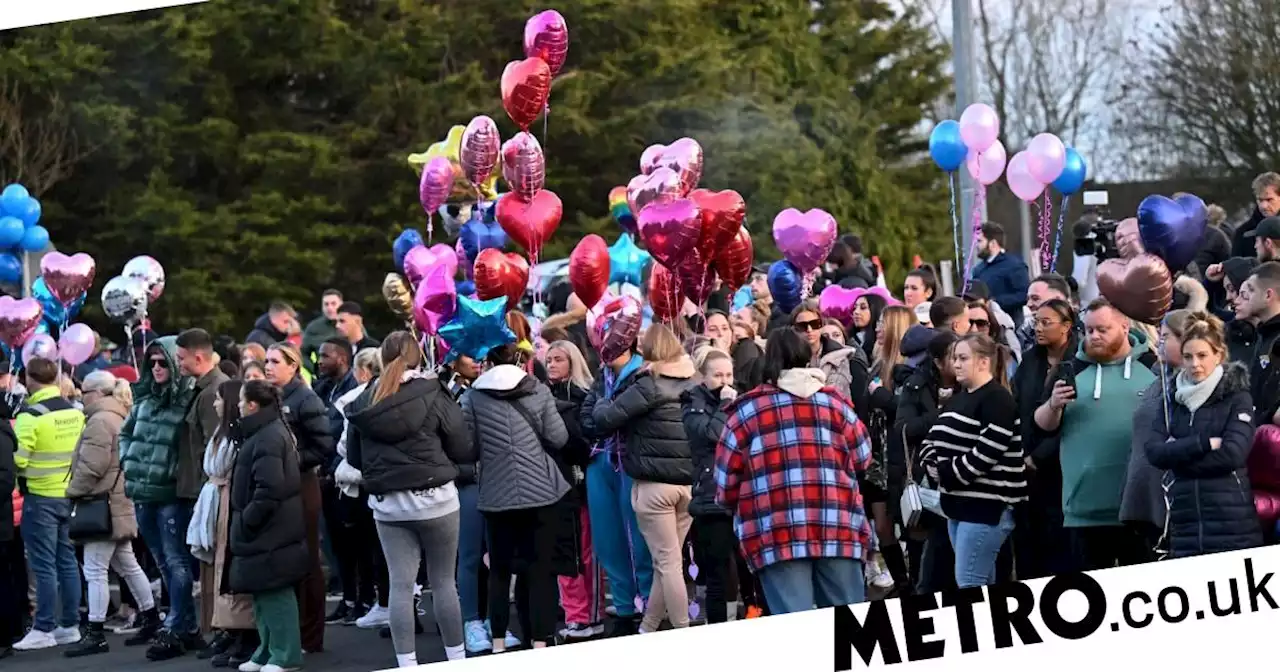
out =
column 1043, row 227
column 430, row 226
column 955, row 219
column 979, row 199
column 546, row 112
column 806, row 286
column 1057, row 238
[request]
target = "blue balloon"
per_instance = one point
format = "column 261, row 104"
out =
column 785, row 281
column 11, row 231
column 29, row 213
column 465, row 287
column 1073, row 174
column 627, row 261
column 10, row 268
column 407, row 240
column 13, row 200
column 946, row 147
column 34, row 239
column 44, row 327
column 54, row 311
column 743, row 298
column 478, row 235
column 477, row 328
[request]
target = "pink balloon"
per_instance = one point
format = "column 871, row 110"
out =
column 524, row 166
column 479, row 152
column 1021, row 182
column 979, row 126
column 437, row 181
column 684, row 156
column 596, row 312
column 804, row 238
column 649, row 160
column 987, row 167
column 838, row 303
column 421, row 259
column 42, row 346
column 435, row 300
column 447, row 256
column 18, row 320
column 67, row 277
column 660, row 186
column 546, row 36
column 77, row 343
column 670, row 230
column 1046, row 157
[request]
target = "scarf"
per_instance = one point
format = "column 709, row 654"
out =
column 614, row 446
column 219, row 458
column 1194, row 395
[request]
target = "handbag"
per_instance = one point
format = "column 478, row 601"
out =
column 911, row 506
column 91, row 516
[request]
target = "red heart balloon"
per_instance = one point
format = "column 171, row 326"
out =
column 722, row 215
column 530, row 223
column 697, row 278
column 589, row 269
column 733, row 262
column 664, row 293
column 1141, row 287
column 501, row 273
column 525, row 87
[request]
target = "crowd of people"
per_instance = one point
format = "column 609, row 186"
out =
column 726, row 464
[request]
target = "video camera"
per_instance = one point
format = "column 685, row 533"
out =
column 1095, row 232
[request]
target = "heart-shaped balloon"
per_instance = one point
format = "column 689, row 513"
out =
column 664, row 293
column 651, row 158
column 1172, row 228
column 501, row 274
column 805, row 238
column 546, row 36
column 407, row 240
column 616, row 327
column 67, row 277
column 524, row 166
column 670, row 230
column 525, row 87
column 685, row 157
column 660, row 186
column 589, row 269
column 722, row 216
column 697, row 278
column 838, row 303
column 479, row 235
column 436, row 183
column 479, row 152
column 530, row 223
column 18, row 320
column 435, row 301
column 422, row 259
column 396, row 292
column 733, row 261
column 1141, row 287
column 1128, row 239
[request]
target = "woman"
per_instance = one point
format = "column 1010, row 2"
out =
column 721, row 332
column 308, row 419
column 406, row 436
column 658, row 461
column 253, row 371
column 921, row 286
column 95, row 471
column 866, row 322
column 252, row 353
column 1203, row 448
column 267, row 553
column 829, row 355
column 519, row 434
column 983, row 320
column 974, row 454
column 801, row 559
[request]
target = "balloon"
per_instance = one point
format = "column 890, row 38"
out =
column 785, row 282
column 501, row 274
column 422, row 259
column 34, row 239
column 396, row 292
column 523, row 165
column 1172, row 228
column 664, row 293
column 124, row 300
column 525, row 87
column 1046, row 157
column 546, row 36
column 1141, row 287
column 589, row 269
column 1128, row 240
column 987, row 167
column 460, row 258
column 722, row 215
column 697, row 278
column 480, row 147
column 838, row 303
column 462, row 190
column 39, row 345
column 660, row 186
column 435, row 301
column 627, row 261
column 13, row 200
column 670, row 230
column 617, row 327
column 621, row 210
column 1074, row 172
column 979, row 126
column 477, row 327
column 10, row 268
column 530, row 223
column 804, row 238
column 594, row 314
column 743, row 298
column 54, row 311
column 149, row 272
column 18, row 320
column 1021, row 182
column 467, row 287
column 29, row 212
column 684, row 156
column 68, row 276
column 946, row 147
column 407, row 240
column 436, row 184
column 11, row 231
column 77, row 344
column 649, row 160
column 733, row 261
column 477, row 235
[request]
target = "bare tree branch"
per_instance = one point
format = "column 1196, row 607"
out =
column 38, row 145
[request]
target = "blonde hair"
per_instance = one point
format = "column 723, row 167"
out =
column 400, row 354
column 1176, row 321
column 110, row 385
column 290, row 353
column 369, row 359
column 1202, row 326
column 1216, row 215
column 67, row 388
column 661, row 344
column 896, row 320
column 708, row 355
column 254, row 350
column 579, row 372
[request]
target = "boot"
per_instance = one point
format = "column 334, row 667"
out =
column 222, row 642
column 148, row 625
column 249, row 642
column 94, row 641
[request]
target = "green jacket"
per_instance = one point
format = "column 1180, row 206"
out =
column 150, row 437
column 317, row 332
column 48, row 428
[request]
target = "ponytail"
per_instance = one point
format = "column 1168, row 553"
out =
column 400, row 354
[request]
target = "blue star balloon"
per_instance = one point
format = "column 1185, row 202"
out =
column 626, row 261
column 407, row 240
column 477, row 327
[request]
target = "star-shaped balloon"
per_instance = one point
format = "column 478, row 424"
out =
column 478, row 327
column 626, row 261
column 451, row 148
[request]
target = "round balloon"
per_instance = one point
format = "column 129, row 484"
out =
column 13, row 200
column 987, row 167
column 1021, row 182
column 42, row 346
column 979, row 126
column 34, row 239
column 149, row 272
column 1046, row 156
column 77, row 344
column 1074, row 172
column 124, row 300
column 946, row 147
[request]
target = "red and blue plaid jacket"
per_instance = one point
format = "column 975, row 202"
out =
column 787, row 466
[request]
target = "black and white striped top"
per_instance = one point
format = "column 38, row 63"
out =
column 976, row 445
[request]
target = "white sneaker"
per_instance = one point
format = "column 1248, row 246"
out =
column 36, row 640
column 250, row 666
column 377, row 617
column 581, row 631
column 271, row 667
column 64, row 636
column 883, row 580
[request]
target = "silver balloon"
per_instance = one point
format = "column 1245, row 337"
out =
column 124, row 300
column 149, row 272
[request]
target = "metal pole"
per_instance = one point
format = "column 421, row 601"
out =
column 966, row 93
column 26, row 274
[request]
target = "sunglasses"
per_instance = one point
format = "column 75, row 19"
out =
column 981, row 324
column 811, row 325
column 160, row 363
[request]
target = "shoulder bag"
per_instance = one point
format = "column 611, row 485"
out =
column 91, row 515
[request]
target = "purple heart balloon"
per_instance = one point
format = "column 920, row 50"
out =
column 670, row 230
column 436, row 300
column 838, row 303
column 805, row 238
column 1172, row 228
column 421, row 259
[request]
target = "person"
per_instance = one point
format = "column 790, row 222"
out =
column 1005, row 274
column 406, row 436
column 273, row 326
column 322, row 328
column 267, row 552
column 950, row 313
column 252, row 353
column 350, row 326
column 1043, row 288
column 866, row 319
column 1259, row 301
column 974, row 453
column 1242, row 334
column 844, row 267
column 920, row 287
column 336, row 378
column 48, row 428
column 831, row 356
column 254, row 371
column 573, row 322
column 1003, row 328
column 13, row 571
column 1266, row 194
column 719, row 329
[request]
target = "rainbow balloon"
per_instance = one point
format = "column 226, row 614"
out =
column 620, row 210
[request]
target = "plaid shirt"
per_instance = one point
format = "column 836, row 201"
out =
column 787, row 467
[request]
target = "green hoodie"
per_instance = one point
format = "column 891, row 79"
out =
column 150, row 436
column 1097, row 431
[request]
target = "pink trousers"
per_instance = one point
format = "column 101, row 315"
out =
column 582, row 596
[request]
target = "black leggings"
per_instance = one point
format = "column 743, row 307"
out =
column 361, row 565
column 522, row 544
column 715, row 553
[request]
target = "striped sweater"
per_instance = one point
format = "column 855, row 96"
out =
column 977, row 449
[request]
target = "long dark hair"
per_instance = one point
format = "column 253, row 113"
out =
column 877, row 305
column 785, row 349
column 230, row 394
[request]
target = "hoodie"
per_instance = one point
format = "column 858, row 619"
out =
column 150, row 437
column 264, row 333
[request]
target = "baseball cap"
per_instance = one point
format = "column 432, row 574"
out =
column 978, row 291
column 922, row 311
column 1268, row 228
column 762, row 269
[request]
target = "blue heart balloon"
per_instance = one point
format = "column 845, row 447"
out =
column 1073, row 174
column 946, row 147
column 785, row 282
column 407, row 240
column 1172, row 228
column 478, row 235
column 627, row 261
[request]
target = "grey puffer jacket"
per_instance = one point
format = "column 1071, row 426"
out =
column 516, row 471
column 649, row 415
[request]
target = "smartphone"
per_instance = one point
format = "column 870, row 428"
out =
column 1065, row 373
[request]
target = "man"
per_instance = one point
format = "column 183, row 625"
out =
column 1266, row 194
column 322, row 328
column 335, row 379
column 1090, row 409
column 950, row 313
column 351, row 327
column 1005, row 274
column 1266, row 239
column 1044, row 287
column 1259, row 302
column 48, row 428
column 844, row 265
column 274, row 326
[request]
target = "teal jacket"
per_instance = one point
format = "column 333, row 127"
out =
column 150, row 436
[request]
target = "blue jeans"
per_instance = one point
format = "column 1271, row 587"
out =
column 164, row 528
column 798, row 585
column 976, row 548
column 52, row 558
column 470, row 551
column 626, row 561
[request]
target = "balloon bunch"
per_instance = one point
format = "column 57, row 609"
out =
column 20, row 230
column 31, row 324
column 127, row 297
column 1047, row 161
column 443, row 178
column 975, row 142
column 1153, row 248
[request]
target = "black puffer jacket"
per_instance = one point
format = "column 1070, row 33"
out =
column 411, row 440
column 8, row 481
column 704, row 418
column 1210, row 503
column 1032, row 384
column 917, row 410
column 307, row 417
column 569, row 398
column 648, row 414
column 268, row 534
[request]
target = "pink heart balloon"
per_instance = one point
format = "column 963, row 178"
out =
column 838, row 303
column 437, row 181
column 650, row 159
column 660, row 186
column 421, row 259
column 670, row 230
column 546, row 36
column 685, row 157
column 18, row 320
column 67, row 277
column 435, row 300
column 805, row 238
column 480, row 147
column 524, row 166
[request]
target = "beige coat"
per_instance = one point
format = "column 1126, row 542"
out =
column 95, row 469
